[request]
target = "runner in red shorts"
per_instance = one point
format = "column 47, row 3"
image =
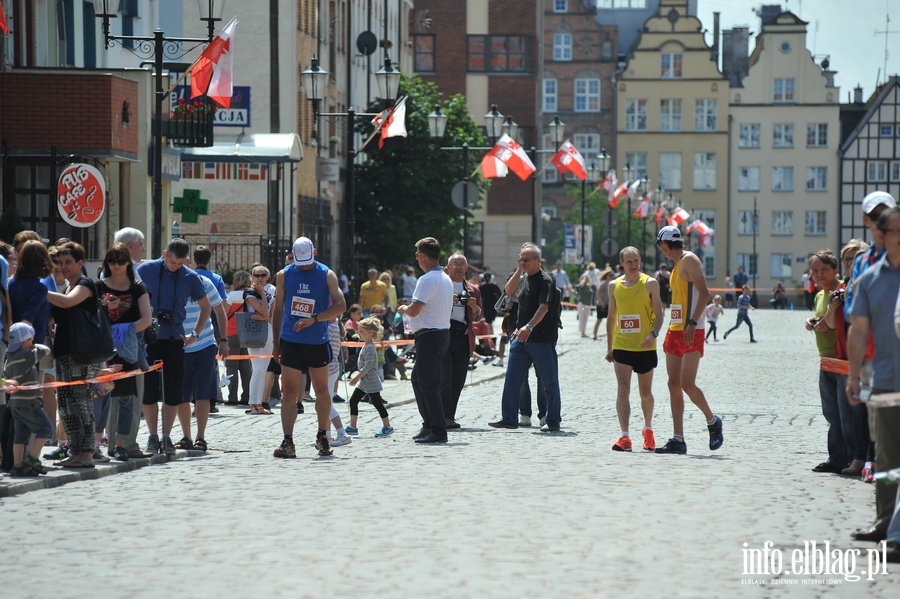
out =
column 683, row 347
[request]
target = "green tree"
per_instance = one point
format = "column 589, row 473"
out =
column 403, row 190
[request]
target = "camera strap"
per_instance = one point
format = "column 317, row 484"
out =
column 159, row 308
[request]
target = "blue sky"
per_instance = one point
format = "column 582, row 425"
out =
column 845, row 30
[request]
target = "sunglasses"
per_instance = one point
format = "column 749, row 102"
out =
column 260, row 274
column 119, row 262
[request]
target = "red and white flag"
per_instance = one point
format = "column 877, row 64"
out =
column 392, row 121
column 699, row 226
column 510, row 153
column 660, row 214
column 632, row 189
column 616, row 196
column 609, row 182
column 4, row 27
column 643, row 208
column 678, row 216
column 706, row 238
column 569, row 160
column 212, row 73
column 492, row 168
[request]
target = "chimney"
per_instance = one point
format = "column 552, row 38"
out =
column 857, row 95
column 736, row 54
column 715, row 44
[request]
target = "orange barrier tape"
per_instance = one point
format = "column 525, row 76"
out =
column 834, row 365
column 106, row 378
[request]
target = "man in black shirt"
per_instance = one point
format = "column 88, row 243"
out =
column 533, row 340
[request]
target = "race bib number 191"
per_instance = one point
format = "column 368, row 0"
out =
column 302, row 307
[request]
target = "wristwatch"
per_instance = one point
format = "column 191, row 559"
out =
column 692, row 322
column 194, row 334
column 223, row 340
column 529, row 327
column 654, row 333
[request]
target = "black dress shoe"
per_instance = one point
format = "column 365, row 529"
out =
column 870, row 534
column 502, row 424
column 450, row 423
column 423, row 432
column 828, row 468
column 432, row 438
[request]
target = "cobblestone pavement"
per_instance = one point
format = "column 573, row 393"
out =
column 493, row 513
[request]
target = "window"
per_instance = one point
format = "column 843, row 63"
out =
column 895, row 172
column 551, row 95
column 815, row 222
column 621, row 3
column 781, row 266
column 636, row 115
column 638, row 161
column 423, row 53
column 782, row 178
column 587, row 95
column 588, row 144
column 782, row 222
column 748, row 222
column 705, row 114
column 670, row 65
column 562, row 46
column 560, row 5
column 749, row 135
column 670, row 170
column 784, row 90
column 817, row 134
column 876, row 172
column 886, row 131
column 749, row 262
column 705, row 170
column 748, row 178
column 497, row 54
column 816, row 178
column 783, row 135
column 670, row 115
column 129, row 15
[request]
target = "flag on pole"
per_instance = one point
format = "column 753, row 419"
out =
column 4, row 27
column 620, row 192
column 609, row 182
column 678, row 216
column 644, row 207
column 212, row 73
column 569, row 160
column 510, row 153
column 660, row 214
column 699, row 226
column 492, row 167
column 634, row 187
column 706, row 238
column 391, row 121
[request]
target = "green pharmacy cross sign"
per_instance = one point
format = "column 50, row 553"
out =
column 190, row 205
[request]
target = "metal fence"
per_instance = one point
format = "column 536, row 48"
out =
column 231, row 252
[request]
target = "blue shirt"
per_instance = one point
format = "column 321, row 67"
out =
column 743, row 304
column 170, row 291
column 217, row 281
column 876, row 295
column 50, row 283
column 28, row 301
column 862, row 261
column 305, row 294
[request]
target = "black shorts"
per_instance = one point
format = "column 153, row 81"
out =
column 273, row 366
column 170, row 389
column 602, row 311
column 641, row 362
column 303, row 356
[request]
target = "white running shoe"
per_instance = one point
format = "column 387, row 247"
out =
column 524, row 420
column 341, row 440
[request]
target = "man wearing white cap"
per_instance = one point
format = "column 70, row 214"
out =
column 872, row 206
column 683, row 346
column 307, row 298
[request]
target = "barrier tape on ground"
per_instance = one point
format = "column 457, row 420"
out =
column 106, row 378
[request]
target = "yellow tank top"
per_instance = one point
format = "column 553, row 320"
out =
column 684, row 300
column 634, row 315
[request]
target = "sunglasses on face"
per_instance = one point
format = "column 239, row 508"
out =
column 260, row 274
column 119, row 262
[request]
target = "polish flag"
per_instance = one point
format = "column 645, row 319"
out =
column 678, row 216
column 644, row 207
column 510, row 153
column 212, row 73
column 392, row 121
column 609, row 182
column 706, row 238
column 634, row 187
column 660, row 214
column 492, row 167
column 569, row 160
column 700, row 227
column 620, row 192
column 4, row 27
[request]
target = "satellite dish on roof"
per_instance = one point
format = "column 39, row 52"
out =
column 366, row 43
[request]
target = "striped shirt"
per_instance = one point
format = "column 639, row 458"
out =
column 192, row 315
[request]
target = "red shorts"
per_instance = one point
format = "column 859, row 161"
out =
column 674, row 345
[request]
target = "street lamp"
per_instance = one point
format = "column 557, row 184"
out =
column 592, row 174
column 388, row 79
column 493, row 121
column 158, row 46
column 629, row 172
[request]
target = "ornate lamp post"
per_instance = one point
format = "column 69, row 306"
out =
column 158, row 46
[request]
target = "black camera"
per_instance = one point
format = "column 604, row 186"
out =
column 164, row 317
column 464, row 296
column 839, row 296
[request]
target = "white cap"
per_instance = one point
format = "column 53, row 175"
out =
column 304, row 251
column 876, row 199
column 669, row 233
column 18, row 333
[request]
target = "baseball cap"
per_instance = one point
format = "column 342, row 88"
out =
column 18, row 333
column 669, row 233
column 876, row 199
column 304, row 251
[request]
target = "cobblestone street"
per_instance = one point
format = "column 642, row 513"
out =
column 493, row 513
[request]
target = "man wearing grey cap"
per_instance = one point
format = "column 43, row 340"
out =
column 307, row 298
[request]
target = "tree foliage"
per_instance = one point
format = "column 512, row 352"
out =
column 403, row 190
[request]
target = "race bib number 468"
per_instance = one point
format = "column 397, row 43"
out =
column 302, row 307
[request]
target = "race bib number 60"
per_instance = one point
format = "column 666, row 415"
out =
column 302, row 307
column 630, row 323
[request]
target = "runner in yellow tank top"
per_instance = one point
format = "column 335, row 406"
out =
column 683, row 346
column 635, row 317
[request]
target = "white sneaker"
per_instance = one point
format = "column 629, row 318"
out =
column 341, row 440
column 499, row 362
column 524, row 420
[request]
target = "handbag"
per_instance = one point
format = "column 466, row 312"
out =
column 251, row 333
column 90, row 334
column 504, row 304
